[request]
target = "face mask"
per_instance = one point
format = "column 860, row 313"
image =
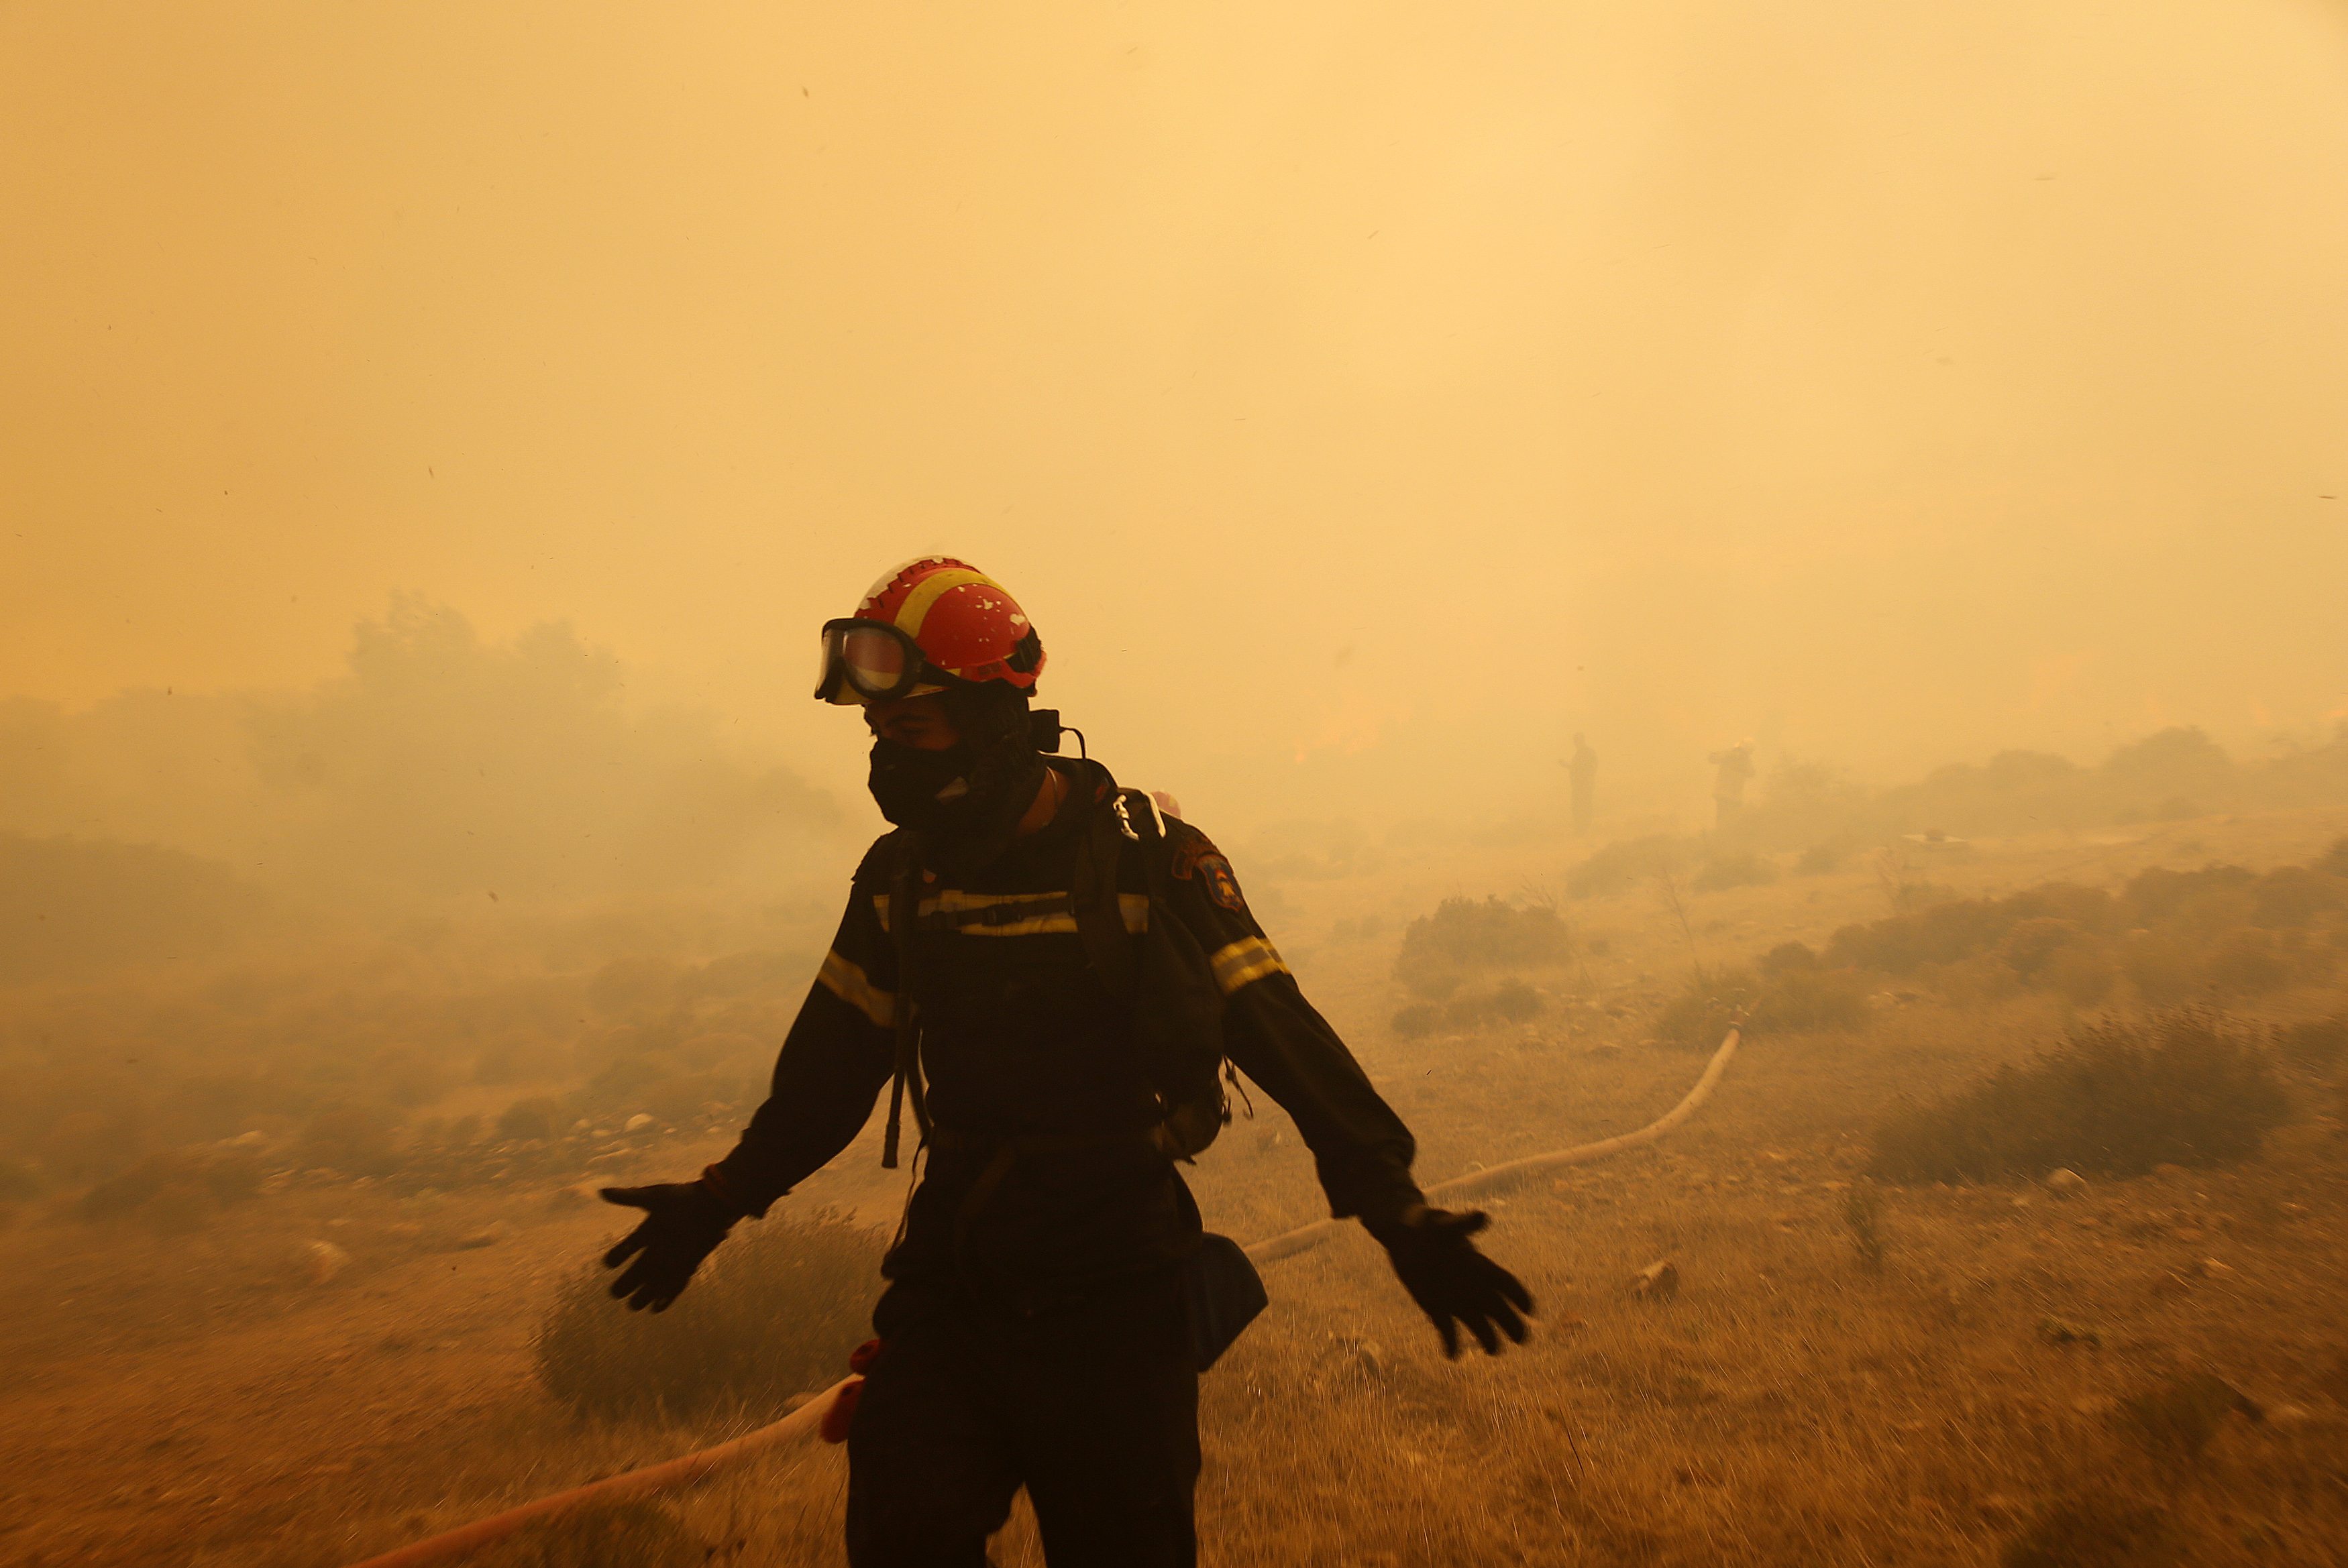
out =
column 928, row 792
column 965, row 802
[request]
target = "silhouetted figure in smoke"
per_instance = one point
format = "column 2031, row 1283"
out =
column 1052, row 973
column 1582, row 771
column 1736, row 765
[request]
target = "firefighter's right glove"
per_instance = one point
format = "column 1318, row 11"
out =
column 1456, row 1286
column 683, row 1222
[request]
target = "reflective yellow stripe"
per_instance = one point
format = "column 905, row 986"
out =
column 850, row 984
column 1132, row 908
column 1245, row 961
column 929, row 589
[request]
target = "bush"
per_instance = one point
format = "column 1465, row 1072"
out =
column 2317, row 1044
column 1512, row 1001
column 526, row 1119
column 1819, row 859
column 1623, row 863
column 1418, row 1021
column 1464, row 934
column 355, row 1140
column 1811, row 998
column 1701, row 1014
column 1742, row 869
column 774, row 1312
column 176, row 1191
column 18, row 1180
column 2115, row 1099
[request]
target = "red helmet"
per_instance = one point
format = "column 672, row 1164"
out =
column 932, row 619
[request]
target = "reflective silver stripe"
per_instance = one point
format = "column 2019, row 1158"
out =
column 1132, row 908
column 850, row 985
column 1244, row 962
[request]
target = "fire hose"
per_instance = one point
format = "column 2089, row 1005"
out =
column 826, row 1412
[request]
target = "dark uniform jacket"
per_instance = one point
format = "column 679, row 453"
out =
column 1042, row 1178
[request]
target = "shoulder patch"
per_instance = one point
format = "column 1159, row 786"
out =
column 1221, row 886
column 1197, row 858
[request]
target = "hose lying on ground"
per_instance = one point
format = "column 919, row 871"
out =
column 682, row 1472
column 1498, row 1178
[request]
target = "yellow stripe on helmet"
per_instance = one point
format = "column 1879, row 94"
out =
column 932, row 588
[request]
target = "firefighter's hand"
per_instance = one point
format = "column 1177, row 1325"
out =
column 1456, row 1286
column 683, row 1222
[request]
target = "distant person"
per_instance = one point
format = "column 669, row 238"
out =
column 1583, row 771
column 1050, row 970
column 1736, row 765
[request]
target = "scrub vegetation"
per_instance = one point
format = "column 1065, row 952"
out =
column 326, row 1243
column 774, row 1314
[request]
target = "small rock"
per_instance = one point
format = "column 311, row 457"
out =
column 487, row 1236
column 2065, row 1182
column 1606, row 1053
column 2210, row 1268
column 252, row 1140
column 323, row 1260
column 2023, row 1201
column 638, row 1123
column 1659, row 1281
column 2294, row 1210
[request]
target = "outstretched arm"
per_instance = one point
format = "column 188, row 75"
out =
column 838, row 1052
column 1361, row 1148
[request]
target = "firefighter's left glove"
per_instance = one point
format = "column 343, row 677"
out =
column 683, row 1222
column 1456, row 1286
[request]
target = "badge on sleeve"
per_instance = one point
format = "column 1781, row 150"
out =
column 1197, row 857
column 1221, row 886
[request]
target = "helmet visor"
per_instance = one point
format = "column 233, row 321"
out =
column 867, row 661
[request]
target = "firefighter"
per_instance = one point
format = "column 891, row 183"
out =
column 1048, row 974
column 1735, row 771
column 1581, row 771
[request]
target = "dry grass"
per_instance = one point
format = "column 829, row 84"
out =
column 774, row 1314
column 1838, row 1381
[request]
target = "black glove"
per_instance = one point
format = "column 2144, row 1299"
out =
column 1453, row 1283
column 683, row 1222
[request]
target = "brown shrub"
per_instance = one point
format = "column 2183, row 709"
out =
column 2117, row 1098
column 775, row 1312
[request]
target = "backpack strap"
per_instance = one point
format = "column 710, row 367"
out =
column 1100, row 921
column 904, row 904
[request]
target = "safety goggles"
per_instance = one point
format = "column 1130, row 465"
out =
column 871, row 661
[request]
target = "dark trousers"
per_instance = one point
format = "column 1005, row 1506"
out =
column 1093, row 1407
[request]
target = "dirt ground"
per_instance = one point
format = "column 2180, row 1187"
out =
column 226, row 1397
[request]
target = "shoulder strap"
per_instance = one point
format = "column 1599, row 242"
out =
column 904, row 905
column 1112, row 829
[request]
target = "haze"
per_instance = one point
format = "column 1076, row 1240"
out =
column 1361, row 399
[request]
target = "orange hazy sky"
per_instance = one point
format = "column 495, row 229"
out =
column 1341, row 386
